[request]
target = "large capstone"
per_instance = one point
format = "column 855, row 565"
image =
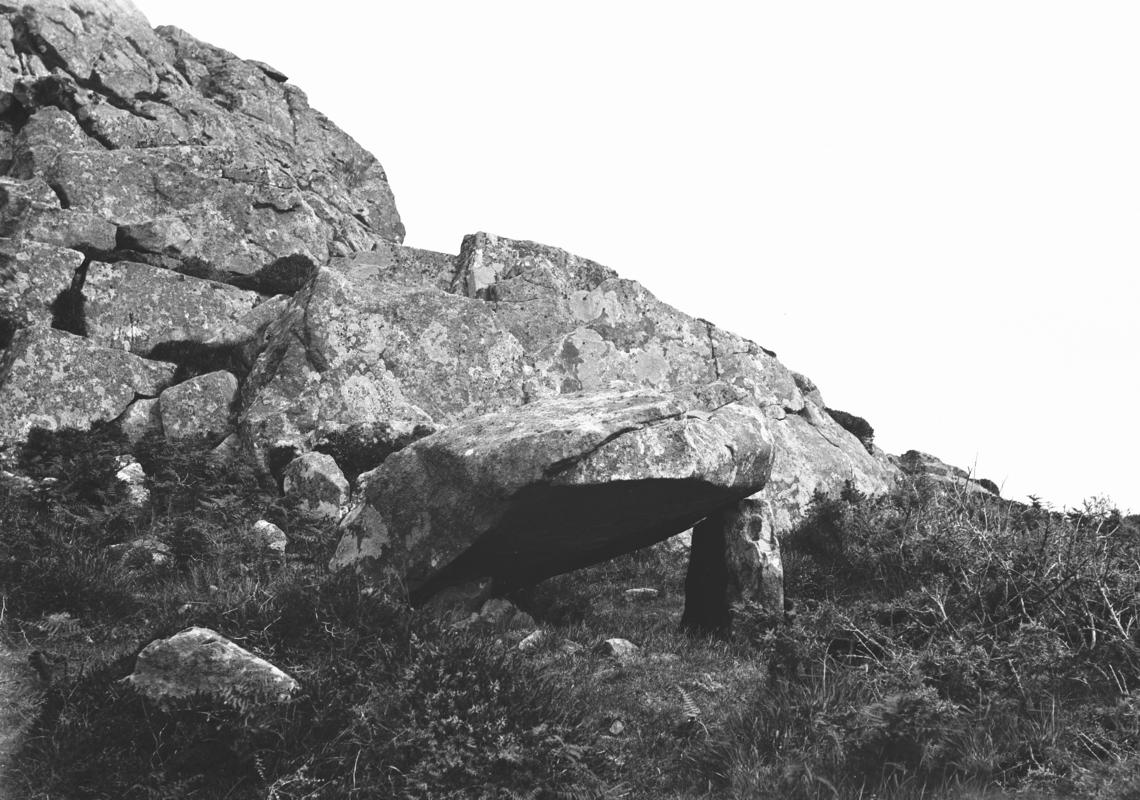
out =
column 556, row 485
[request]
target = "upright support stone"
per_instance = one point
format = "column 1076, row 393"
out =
column 707, row 603
column 734, row 558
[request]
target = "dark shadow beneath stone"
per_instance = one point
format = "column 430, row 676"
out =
column 550, row 530
column 707, row 609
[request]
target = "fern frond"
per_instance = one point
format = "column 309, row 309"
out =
column 690, row 709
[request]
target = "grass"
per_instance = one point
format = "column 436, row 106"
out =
column 940, row 646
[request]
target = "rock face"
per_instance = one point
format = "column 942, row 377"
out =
column 396, row 339
column 199, row 661
column 53, row 379
column 196, row 156
column 923, row 465
column 561, row 483
column 135, row 306
column 199, row 408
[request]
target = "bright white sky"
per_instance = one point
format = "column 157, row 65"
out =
column 929, row 208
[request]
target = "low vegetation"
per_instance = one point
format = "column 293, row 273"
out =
column 939, row 646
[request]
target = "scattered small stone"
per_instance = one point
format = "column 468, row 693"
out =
column 617, row 648
column 533, row 640
column 271, row 536
column 131, row 474
column 201, row 661
column 317, row 482
column 641, row 593
column 617, row 728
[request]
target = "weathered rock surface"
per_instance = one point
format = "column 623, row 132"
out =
column 199, row 661
column 316, row 481
column 200, row 407
column 923, row 465
column 53, row 379
column 621, row 649
column 140, row 418
column 135, row 307
column 39, row 272
column 558, row 484
column 271, row 536
column 414, row 341
column 203, row 158
column 132, row 476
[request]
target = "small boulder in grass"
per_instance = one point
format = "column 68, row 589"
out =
column 316, row 481
column 533, row 640
column 620, row 649
column 199, row 661
column 640, row 594
column 131, row 475
column 271, row 536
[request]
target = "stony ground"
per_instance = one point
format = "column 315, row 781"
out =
column 16, row 705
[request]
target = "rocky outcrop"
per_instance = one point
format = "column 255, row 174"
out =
column 199, row 661
column 52, row 379
column 923, row 465
column 198, row 158
column 397, row 339
column 559, row 484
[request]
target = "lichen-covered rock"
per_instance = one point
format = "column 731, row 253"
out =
column 923, row 465
column 39, row 272
column 199, row 661
column 132, row 476
column 199, row 408
column 202, row 157
column 316, row 482
column 378, row 353
column 271, row 536
column 553, row 486
column 141, row 418
column 53, row 379
column 814, row 454
column 135, row 306
column 620, row 649
column 375, row 341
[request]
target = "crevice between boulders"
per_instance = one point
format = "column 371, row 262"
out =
column 68, row 309
column 27, row 42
